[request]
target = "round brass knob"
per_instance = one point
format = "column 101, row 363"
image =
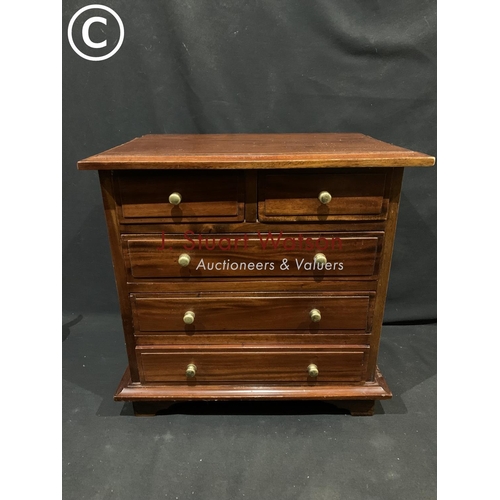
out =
column 325, row 197
column 190, row 370
column 175, row 198
column 184, row 259
column 315, row 315
column 320, row 258
column 188, row 317
column 312, row 370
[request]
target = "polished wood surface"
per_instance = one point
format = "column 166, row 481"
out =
column 247, row 151
column 242, row 338
column 251, row 365
column 385, row 265
column 258, row 311
column 296, row 197
column 217, row 196
column 340, row 224
column 250, row 255
column 209, row 311
column 365, row 390
column 344, row 285
column 111, row 213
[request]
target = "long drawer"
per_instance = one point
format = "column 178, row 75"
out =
column 311, row 365
column 205, row 311
column 252, row 255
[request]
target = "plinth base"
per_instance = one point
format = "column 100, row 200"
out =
column 147, row 400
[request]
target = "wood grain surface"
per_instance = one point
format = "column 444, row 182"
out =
column 250, row 255
column 295, row 196
column 364, row 390
column 247, row 151
column 251, row 312
column 251, row 365
column 213, row 196
column 243, row 215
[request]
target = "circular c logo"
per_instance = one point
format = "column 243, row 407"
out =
column 85, row 33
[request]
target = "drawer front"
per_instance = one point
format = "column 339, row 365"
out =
column 250, row 312
column 269, row 254
column 167, row 365
column 296, row 197
column 202, row 196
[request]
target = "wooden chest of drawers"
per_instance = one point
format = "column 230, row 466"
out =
column 252, row 266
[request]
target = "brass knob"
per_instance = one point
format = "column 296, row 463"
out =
column 184, row 259
column 188, row 317
column 175, row 198
column 320, row 258
column 312, row 370
column 190, row 370
column 325, row 197
column 315, row 315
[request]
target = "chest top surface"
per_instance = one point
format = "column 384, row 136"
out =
column 254, row 151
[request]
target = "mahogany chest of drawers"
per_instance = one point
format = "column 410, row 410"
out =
column 252, row 266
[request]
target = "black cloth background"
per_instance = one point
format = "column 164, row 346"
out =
column 196, row 66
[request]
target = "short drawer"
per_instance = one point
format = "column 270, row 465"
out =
column 180, row 196
column 159, row 365
column 219, row 311
column 252, row 255
column 318, row 197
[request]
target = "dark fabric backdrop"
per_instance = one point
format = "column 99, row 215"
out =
column 213, row 66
